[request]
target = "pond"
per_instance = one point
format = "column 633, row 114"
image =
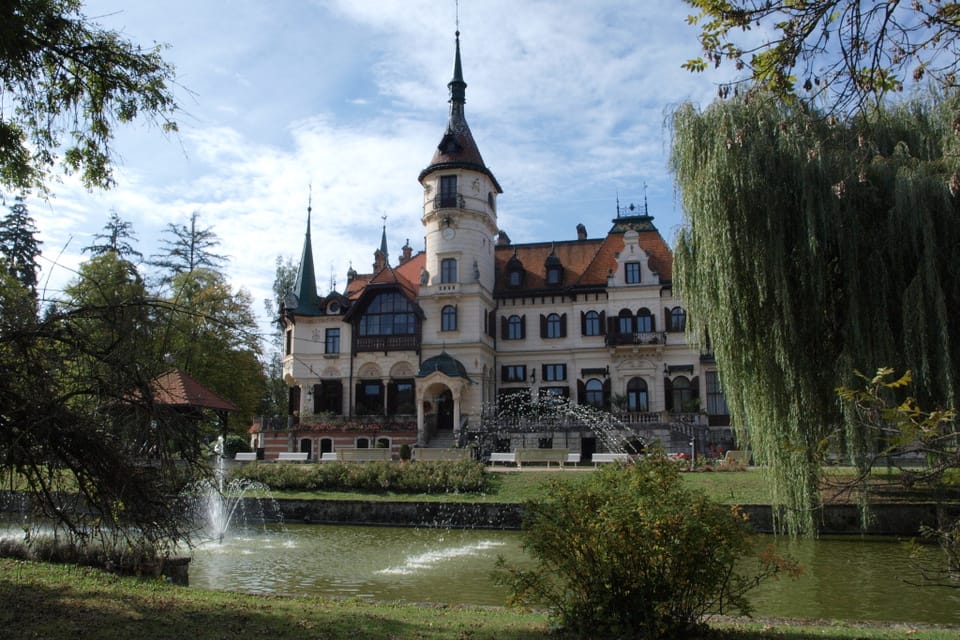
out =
column 847, row 578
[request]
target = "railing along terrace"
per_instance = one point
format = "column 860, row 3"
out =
column 407, row 342
column 645, row 337
column 449, row 201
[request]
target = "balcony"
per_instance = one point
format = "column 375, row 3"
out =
column 406, row 342
column 641, row 338
column 449, row 201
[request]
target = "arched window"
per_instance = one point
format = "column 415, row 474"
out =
column 515, row 278
column 363, row 443
column 554, row 326
column 554, row 275
column 678, row 319
column 684, row 395
column 644, row 321
column 625, row 321
column 514, row 328
column 591, row 324
column 637, row 400
column 594, row 393
column 448, row 318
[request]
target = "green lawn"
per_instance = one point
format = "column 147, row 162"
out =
column 58, row 602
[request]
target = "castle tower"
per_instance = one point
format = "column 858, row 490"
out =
column 459, row 203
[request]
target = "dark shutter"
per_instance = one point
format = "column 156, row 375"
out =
column 583, row 323
column 318, row 399
column 543, row 326
column 563, row 325
column 612, row 327
column 603, row 323
column 504, row 327
column 503, row 373
column 606, row 393
column 523, row 327
column 668, row 393
column 581, row 392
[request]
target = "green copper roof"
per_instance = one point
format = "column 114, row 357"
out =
column 305, row 287
column 445, row 364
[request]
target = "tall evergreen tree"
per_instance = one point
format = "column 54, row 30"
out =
column 116, row 238
column 814, row 247
column 19, row 246
column 189, row 247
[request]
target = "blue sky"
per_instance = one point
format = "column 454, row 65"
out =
column 568, row 100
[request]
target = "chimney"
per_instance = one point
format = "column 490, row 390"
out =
column 581, row 232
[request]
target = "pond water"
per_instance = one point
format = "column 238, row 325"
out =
column 848, row 578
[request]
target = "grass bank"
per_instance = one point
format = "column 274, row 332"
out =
column 728, row 487
column 57, row 602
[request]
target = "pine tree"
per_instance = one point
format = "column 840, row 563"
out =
column 19, row 245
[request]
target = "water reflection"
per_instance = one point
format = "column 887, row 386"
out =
column 844, row 577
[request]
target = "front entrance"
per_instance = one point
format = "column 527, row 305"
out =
column 445, row 411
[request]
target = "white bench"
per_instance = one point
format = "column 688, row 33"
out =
column 436, row 453
column 503, row 457
column 329, row 456
column 376, row 454
column 601, row 458
column 292, row 456
column 573, row 458
column 245, row 456
column 541, row 455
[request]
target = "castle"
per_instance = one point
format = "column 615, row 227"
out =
column 439, row 347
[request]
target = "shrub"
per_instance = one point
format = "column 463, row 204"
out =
column 633, row 553
column 375, row 477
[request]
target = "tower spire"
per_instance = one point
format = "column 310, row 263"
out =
column 305, row 286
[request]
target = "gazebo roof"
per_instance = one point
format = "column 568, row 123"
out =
column 177, row 389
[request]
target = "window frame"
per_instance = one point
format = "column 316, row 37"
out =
column 591, row 323
column 448, row 270
column 554, row 326
column 632, row 273
column 555, row 372
column 448, row 318
column 448, row 191
column 514, row 328
column 331, row 340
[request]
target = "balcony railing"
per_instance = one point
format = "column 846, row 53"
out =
column 449, row 201
column 408, row 342
column 636, row 338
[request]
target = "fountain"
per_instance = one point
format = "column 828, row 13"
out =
column 221, row 504
column 550, row 417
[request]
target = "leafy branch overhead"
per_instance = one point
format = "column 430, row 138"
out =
column 843, row 53
column 66, row 83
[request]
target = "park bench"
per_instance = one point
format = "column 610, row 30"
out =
column 510, row 458
column 436, row 453
column 364, row 455
column 245, row 456
column 292, row 456
column 573, row 458
column 541, row 455
column 329, row 456
column 603, row 458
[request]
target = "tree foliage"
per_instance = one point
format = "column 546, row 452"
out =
column 813, row 247
column 116, row 238
column 842, row 53
column 66, row 84
column 19, row 246
column 275, row 402
column 633, row 553
column 189, row 248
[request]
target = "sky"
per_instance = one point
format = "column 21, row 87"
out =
column 341, row 104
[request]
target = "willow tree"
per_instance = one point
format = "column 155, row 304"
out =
column 813, row 247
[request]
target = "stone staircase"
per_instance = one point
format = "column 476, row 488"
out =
column 442, row 440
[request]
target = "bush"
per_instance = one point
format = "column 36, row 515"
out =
column 376, row 477
column 633, row 553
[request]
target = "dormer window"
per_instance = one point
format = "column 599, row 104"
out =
column 515, row 272
column 632, row 272
column 554, row 275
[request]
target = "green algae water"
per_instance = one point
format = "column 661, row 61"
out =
column 845, row 577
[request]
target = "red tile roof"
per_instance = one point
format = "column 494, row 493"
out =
column 175, row 388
